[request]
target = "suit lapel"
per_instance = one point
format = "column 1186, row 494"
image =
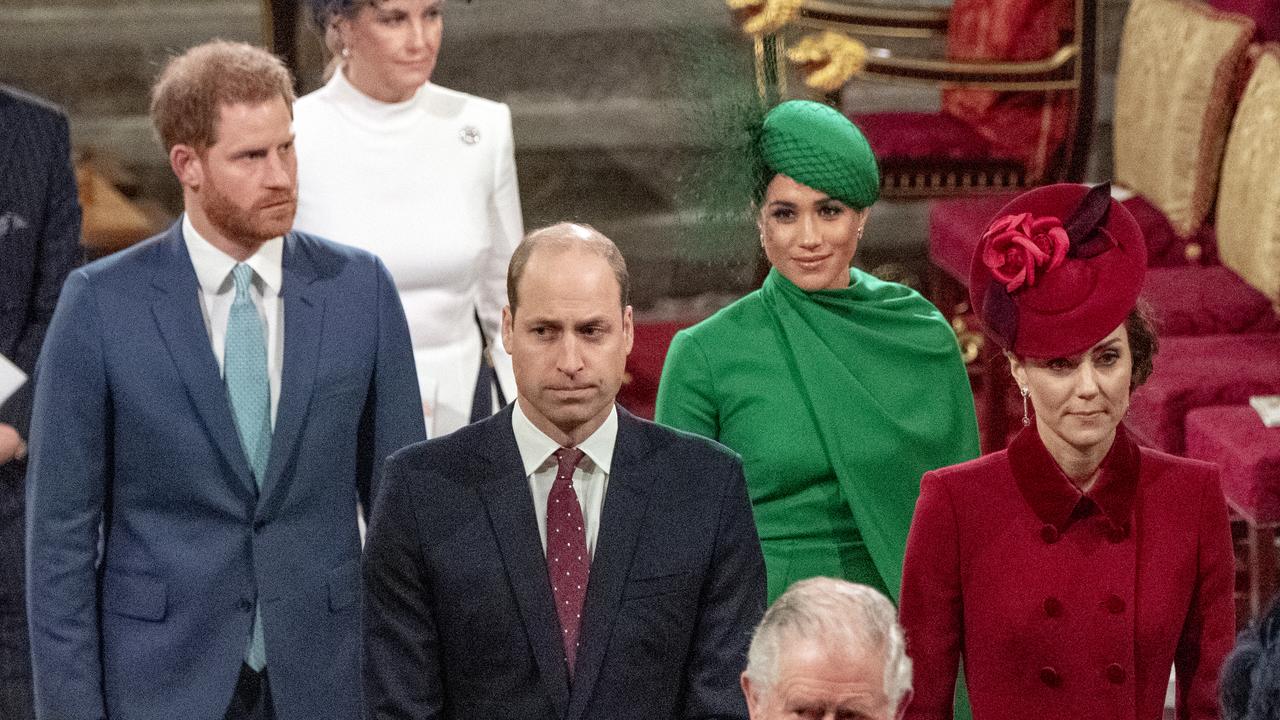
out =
column 303, row 325
column 177, row 312
column 509, row 502
column 625, row 505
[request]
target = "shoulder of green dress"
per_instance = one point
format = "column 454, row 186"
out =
column 745, row 312
column 879, row 288
column 900, row 296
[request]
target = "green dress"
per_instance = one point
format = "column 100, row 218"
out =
column 838, row 401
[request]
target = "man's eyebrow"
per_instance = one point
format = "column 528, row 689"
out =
column 249, row 151
column 539, row 320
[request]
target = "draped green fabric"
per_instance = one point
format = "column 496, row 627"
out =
column 838, row 401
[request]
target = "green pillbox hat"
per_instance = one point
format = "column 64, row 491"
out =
column 816, row 145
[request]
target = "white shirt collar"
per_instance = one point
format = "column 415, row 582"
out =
column 536, row 448
column 213, row 266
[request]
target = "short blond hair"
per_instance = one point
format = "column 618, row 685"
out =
column 187, row 97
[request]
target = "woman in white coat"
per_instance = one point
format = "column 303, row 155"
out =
column 425, row 178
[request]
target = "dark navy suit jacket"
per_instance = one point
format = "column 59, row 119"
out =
column 132, row 428
column 458, row 613
column 39, row 245
column 39, row 232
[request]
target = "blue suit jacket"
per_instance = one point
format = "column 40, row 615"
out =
column 132, row 429
column 459, row 618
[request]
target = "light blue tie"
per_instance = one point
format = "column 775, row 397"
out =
column 249, row 389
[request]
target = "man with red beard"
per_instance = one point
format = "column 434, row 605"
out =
column 211, row 408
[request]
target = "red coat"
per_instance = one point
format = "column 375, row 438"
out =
column 1066, row 605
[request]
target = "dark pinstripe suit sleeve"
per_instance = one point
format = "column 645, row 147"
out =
column 39, row 159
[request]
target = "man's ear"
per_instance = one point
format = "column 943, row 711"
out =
column 628, row 328
column 508, row 319
column 187, row 165
column 748, row 692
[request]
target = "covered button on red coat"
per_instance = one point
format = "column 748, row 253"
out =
column 1114, row 604
column 1050, row 677
column 1049, row 534
column 1116, row 674
column 1052, row 607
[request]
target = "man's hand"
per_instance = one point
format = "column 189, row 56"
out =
column 12, row 446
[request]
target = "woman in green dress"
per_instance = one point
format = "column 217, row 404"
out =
column 838, row 389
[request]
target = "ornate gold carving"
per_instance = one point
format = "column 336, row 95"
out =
column 764, row 17
column 828, row 60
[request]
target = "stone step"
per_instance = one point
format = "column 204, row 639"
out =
column 75, row 27
column 112, row 76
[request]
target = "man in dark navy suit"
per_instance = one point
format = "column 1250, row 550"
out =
column 39, row 245
column 562, row 559
column 217, row 400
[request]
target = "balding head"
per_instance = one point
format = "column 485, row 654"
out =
column 562, row 237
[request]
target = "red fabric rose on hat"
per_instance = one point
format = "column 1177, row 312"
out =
column 1019, row 248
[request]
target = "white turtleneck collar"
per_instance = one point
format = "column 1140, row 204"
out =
column 361, row 108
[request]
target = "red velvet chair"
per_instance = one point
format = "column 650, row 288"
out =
column 1202, row 384
column 639, row 390
column 1152, row 132
column 1017, row 86
column 1248, row 453
column 1243, row 294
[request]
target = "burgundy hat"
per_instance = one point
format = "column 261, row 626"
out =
column 1057, row 270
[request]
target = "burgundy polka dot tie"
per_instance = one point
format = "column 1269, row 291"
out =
column 567, row 561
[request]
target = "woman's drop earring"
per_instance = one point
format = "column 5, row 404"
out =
column 1026, row 419
column 346, row 52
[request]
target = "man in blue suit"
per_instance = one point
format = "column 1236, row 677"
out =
column 210, row 407
column 39, row 245
column 562, row 559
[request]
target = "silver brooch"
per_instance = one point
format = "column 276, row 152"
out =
column 470, row 135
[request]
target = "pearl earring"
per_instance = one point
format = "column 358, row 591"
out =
column 1026, row 419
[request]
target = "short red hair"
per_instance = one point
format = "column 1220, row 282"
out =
column 193, row 86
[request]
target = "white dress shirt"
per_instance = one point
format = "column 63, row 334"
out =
column 218, row 290
column 590, row 478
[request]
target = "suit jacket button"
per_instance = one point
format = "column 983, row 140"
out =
column 1115, row 604
column 1049, row 534
column 1052, row 607
column 1050, row 677
column 246, row 604
column 1115, row 674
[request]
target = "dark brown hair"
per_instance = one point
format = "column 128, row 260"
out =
column 1143, row 343
column 187, row 97
column 563, row 236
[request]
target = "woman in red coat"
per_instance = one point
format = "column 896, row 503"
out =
column 1072, row 570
